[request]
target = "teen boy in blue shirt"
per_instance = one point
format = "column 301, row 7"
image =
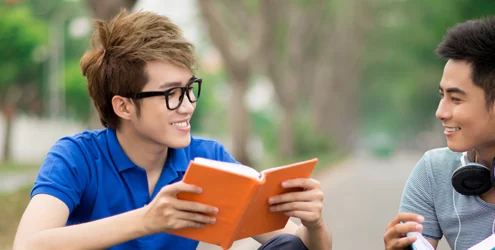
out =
column 116, row 188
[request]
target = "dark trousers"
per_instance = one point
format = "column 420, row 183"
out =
column 285, row 242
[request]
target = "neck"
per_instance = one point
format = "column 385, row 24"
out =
column 485, row 156
column 143, row 152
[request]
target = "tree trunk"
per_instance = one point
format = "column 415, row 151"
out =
column 241, row 122
column 12, row 97
column 107, row 9
column 336, row 95
column 239, row 69
column 338, row 117
column 8, row 113
column 286, row 136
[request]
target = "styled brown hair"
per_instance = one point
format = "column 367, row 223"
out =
column 120, row 48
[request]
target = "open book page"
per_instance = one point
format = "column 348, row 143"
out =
column 230, row 192
column 229, row 167
column 486, row 244
column 272, row 185
column 421, row 242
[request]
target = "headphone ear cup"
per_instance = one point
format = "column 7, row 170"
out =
column 472, row 179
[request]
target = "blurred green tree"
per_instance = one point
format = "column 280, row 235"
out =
column 21, row 46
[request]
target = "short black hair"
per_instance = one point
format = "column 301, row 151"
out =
column 474, row 42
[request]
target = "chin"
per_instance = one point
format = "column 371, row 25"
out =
column 180, row 142
column 457, row 147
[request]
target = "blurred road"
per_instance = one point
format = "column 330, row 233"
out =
column 362, row 195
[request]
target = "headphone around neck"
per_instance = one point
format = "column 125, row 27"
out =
column 473, row 178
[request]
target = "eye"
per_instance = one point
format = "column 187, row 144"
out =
column 441, row 95
column 172, row 92
column 455, row 99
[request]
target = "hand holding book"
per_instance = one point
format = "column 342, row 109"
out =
column 306, row 204
column 166, row 212
column 241, row 194
column 400, row 226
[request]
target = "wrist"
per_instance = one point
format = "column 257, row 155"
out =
column 142, row 226
column 316, row 226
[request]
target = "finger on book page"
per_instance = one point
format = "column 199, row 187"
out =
column 410, row 217
column 403, row 242
column 188, row 224
column 404, row 228
column 180, row 187
column 195, row 217
column 305, row 183
column 192, row 206
column 404, row 217
column 296, row 206
column 296, row 196
column 394, row 240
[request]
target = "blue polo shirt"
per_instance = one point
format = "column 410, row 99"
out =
column 93, row 176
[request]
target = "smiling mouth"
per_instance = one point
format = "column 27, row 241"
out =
column 180, row 124
column 452, row 129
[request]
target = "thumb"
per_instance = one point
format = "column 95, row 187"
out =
column 180, row 187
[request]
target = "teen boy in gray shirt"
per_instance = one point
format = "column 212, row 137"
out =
column 450, row 192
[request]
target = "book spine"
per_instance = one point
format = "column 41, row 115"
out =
column 253, row 194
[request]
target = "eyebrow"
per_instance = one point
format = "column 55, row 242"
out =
column 453, row 90
column 167, row 85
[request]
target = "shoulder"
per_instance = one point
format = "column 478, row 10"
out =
column 434, row 170
column 441, row 161
column 80, row 142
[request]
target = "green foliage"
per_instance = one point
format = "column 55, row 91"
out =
column 25, row 55
column 308, row 143
column 78, row 101
column 402, row 73
column 22, row 35
column 209, row 115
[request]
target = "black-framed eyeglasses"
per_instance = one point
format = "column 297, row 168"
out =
column 174, row 96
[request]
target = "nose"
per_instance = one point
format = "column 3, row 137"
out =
column 186, row 106
column 444, row 111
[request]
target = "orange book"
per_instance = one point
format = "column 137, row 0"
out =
column 241, row 194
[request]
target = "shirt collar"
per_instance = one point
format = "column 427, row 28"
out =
column 120, row 159
column 177, row 159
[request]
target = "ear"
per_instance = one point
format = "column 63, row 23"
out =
column 123, row 107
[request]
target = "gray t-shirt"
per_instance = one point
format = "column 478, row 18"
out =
column 429, row 192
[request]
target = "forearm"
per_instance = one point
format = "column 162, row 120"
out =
column 318, row 238
column 100, row 234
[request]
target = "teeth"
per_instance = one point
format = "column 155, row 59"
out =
column 452, row 129
column 179, row 124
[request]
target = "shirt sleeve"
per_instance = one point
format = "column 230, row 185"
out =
column 418, row 196
column 64, row 173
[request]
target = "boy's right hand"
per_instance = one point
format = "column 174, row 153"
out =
column 165, row 212
column 395, row 236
